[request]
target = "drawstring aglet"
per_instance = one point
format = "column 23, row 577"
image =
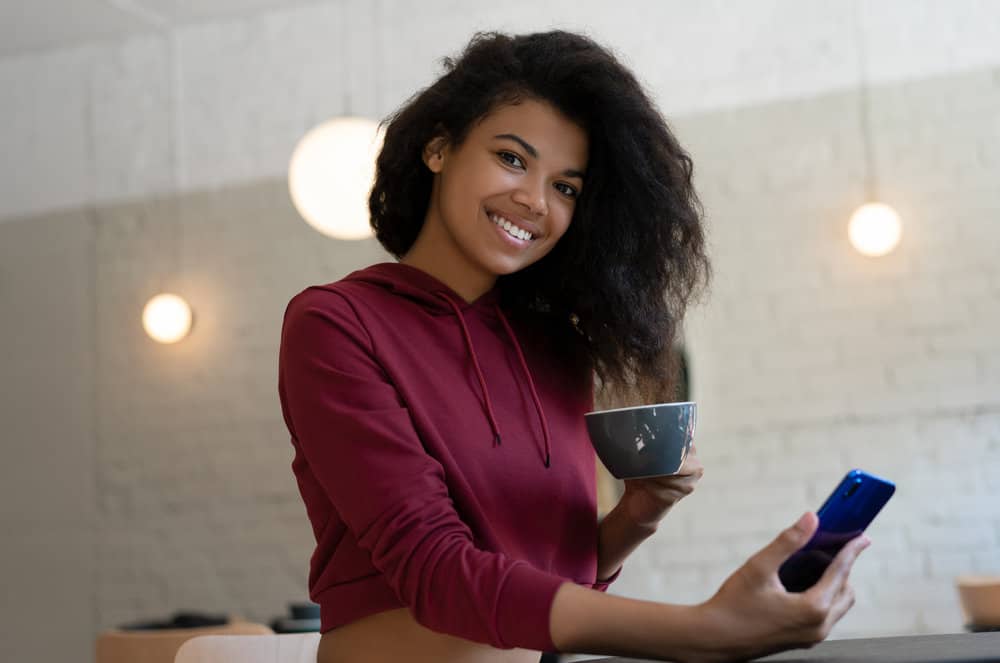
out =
column 546, row 459
column 496, row 439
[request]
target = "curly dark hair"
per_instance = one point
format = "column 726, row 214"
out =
column 611, row 295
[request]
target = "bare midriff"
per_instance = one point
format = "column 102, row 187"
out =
column 394, row 636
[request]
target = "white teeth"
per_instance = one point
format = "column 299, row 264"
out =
column 510, row 228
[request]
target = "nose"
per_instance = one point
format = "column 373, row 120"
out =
column 531, row 194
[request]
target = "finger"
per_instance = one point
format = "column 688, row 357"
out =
column 786, row 543
column 688, row 471
column 843, row 602
column 837, row 573
column 691, row 465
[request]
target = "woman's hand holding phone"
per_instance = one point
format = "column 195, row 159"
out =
column 753, row 613
column 773, row 602
column 846, row 513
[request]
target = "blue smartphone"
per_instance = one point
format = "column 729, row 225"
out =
column 844, row 515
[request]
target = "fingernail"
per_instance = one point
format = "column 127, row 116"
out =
column 802, row 525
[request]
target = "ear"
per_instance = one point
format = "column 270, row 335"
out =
column 434, row 153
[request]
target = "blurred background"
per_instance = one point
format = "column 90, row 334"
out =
column 145, row 149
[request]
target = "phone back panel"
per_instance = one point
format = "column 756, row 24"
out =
column 845, row 514
column 854, row 504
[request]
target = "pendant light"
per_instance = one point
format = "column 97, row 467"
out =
column 167, row 317
column 331, row 175
column 332, row 168
column 874, row 228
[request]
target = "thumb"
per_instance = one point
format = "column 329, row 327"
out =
column 787, row 542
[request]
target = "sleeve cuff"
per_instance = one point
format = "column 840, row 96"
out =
column 602, row 585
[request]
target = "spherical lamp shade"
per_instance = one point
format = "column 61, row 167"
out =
column 167, row 318
column 331, row 174
column 875, row 229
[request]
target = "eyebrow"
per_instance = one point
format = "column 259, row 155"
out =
column 530, row 149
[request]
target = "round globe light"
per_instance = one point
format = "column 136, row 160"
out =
column 331, row 173
column 874, row 229
column 167, row 318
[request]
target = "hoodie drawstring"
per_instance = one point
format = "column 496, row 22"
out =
column 482, row 380
column 531, row 383
column 475, row 364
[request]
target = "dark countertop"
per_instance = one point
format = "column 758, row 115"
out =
column 957, row 648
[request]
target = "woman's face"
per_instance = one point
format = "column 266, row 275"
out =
column 521, row 165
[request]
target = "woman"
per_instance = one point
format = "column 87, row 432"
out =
column 547, row 232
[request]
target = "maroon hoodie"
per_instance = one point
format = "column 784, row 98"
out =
column 442, row 458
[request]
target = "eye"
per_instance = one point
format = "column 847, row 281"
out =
column 567, row 190
column 510, row 158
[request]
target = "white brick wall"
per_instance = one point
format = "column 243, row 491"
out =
column 166, row 468
column 218, row 103
column 809, row 359
column 197, row 503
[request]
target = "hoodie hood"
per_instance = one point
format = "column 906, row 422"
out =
column 439, row 299
column 417, row 285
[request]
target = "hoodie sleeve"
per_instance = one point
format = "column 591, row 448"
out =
column 356, row 434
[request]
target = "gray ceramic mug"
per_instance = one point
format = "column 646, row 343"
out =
column 645, row 440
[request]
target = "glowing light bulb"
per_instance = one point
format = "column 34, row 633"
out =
column 331, row 174
column 874, row 229
column 167, row 318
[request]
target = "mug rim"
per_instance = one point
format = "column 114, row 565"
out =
column 636, row 407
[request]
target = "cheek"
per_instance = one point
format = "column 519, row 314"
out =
column 457, row 199
column 467, row 190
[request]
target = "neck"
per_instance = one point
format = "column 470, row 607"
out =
column 429, row 254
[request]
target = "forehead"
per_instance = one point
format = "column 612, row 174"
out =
column 539, row 123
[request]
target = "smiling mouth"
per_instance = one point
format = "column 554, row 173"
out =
column 510, row 228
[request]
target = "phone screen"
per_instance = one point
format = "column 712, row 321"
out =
column 845, row 514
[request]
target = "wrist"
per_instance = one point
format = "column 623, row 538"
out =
column 643, row 513
column 626, row 513
column 611, row 578
column 719, row 638
column 586, row 621
column 617, row 536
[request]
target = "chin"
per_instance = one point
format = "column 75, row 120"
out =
column 505, row 267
